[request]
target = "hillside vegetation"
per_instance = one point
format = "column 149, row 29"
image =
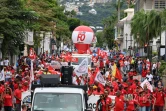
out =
column 103, row 11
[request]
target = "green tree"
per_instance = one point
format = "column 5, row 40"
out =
column 12, row 25
column 99, row 36
column 109, row 32
column 147, row 25
column 73, row 23
column 51, row 18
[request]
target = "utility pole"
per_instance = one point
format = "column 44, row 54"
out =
column 118, row 31
column 43, row 41
column 118, row 9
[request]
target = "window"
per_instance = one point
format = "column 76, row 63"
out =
column 159, row 4
column 57, row 102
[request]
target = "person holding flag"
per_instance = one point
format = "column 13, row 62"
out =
column 115, row 71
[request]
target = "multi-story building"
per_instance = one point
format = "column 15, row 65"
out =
column 148, row 5
column 123, row 31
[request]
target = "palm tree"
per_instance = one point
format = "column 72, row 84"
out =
column 147, row 25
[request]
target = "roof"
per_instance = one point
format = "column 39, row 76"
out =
column 128, row 18
column 129, row 10
column 130, row 15
column 59, row 90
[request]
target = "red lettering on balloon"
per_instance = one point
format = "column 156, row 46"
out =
column 81, row 36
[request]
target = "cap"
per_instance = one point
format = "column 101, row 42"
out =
column 94, row 87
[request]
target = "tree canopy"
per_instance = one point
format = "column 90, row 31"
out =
column 146, row 25
column 19, row 16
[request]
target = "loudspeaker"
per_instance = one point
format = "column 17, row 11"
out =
column 50, row 79
column 67, row 72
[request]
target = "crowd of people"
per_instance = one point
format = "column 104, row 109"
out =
column 130, row 96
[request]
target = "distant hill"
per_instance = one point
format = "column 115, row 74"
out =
column 103, row 11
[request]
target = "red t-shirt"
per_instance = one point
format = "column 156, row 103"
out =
column 97, row 93
column 1, row 89
column 101, row 64
column 119, row 103
column 123, row 92
column 159, row 98
column 144, row 73
column 101, row 87
column 7, row 100
column 15, row 85
column 112, row 93
column 135, row 94
column 121, row 62
column 108, row 102
column 18, row 94
column 130, row 90
column 147, row 96
column 115, row 84
column 107, row 88
column 141, row 101
column 133, row 86
column 131, row 105
column 94, row 59
column 25, row 88
column 90, row 92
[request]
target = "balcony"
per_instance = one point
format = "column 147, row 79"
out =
column 120, row 37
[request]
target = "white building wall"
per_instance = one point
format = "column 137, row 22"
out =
column 163, row 38
column 149, row 4
column 127, row 30
column 48, row 36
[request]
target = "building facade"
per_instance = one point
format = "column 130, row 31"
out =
column 148, row 5
column 123, row 29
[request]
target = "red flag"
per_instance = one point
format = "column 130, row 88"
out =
column 74, row 59
column 50, row 68
column 118, row 75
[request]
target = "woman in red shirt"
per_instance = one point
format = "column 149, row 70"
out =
column 7, row 98
column 131, row 104
column 142, row 101
column 159, row 104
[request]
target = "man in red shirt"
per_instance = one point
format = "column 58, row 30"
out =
column 17, row 95
column 119, row 102
column 108, row 100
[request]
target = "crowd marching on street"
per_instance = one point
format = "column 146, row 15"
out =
column 133, row 80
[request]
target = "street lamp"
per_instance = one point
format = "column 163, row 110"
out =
column 1, row 40
column 130, row 43
column 150, row 53
column 126, row 42
column 158, row 52
column 158, row 48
